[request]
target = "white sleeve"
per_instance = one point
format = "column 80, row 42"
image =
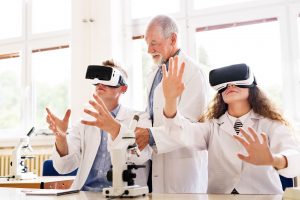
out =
column 70, row 162
column 180, row 132
column 283, row 143
column 191, row 105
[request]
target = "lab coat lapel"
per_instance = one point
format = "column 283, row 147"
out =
column 93, row 141
column 122, row 114
column 151, row 79
column 226, row 125
column 252, row 121
column 92, row 144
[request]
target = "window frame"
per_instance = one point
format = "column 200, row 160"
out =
column 25, row 44
column 285, row 11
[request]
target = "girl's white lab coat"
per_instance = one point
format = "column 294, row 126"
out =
column 174, row 169
column 83, row 142
column 225, row 170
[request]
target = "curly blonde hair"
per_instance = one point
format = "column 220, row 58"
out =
column 259, row 102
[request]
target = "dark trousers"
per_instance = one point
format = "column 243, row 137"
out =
column 149, row 182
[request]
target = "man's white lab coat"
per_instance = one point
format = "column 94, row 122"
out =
column 83, row 142
column 179, row 170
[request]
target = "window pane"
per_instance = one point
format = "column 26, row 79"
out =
column 10, row 90
column 51, row 81
column 200, row 4
column 10, row 19
column 50, row 15
column 146, row 8
column 142, row 65
column 257, row 45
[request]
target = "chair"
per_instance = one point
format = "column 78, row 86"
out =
column 286, row 182
column 49, row 170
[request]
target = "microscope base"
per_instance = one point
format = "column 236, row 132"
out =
column 128, row 191
column 26, row 176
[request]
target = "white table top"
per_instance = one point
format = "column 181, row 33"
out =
column 16, row 194
column 37, row 180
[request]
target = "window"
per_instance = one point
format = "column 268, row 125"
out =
column 51, row 81
column 223, row 32
column 10, row 90
column 146, row 8
column 256, row 43
column 200, row 4
column 141, row 63
column 50, row 15
column 36, row 74
column 11, row 19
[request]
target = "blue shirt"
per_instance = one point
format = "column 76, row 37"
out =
column 97, row 180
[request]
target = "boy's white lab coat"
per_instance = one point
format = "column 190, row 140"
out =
column 225, row 170
column 83, row 142
column 174, row 169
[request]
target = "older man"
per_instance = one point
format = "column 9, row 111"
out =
column 181, row 170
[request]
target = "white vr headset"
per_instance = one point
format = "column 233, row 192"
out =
column 109, row 76
column 239, row 75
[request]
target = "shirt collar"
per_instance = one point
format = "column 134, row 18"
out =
column 115, row 111
column 242, row 118
column 167, row 62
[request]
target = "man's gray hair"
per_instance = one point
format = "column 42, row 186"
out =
column 168, row 25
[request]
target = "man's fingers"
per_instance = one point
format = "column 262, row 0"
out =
column 67, row 115
column 175, row 72
column 48, row 119
column 141, row 147
column 98, row 107
column 101, row 103
column 49, row 115
column 94, row 114
column 171, row 67
column 90, row 123
column 164, row 70
column 181, row 71
column 48, row 111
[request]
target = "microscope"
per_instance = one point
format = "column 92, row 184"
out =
column 19, row 170
column 121, row 173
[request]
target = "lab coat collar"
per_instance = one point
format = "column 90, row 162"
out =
column 227, row 126
column 122, row 114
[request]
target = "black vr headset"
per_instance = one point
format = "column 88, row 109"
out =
column 105, row 75
column 239, row 75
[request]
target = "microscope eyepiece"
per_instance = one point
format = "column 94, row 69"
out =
column 30, row 132
column 136, row 117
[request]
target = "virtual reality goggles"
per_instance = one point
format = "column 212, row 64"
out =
column 239, row 75
column 109, row 76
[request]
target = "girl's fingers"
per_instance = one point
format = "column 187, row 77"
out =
column 254, row 135
column 242, row 141
column 246, row 135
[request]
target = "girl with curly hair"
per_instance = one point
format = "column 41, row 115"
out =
column 249, row 143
